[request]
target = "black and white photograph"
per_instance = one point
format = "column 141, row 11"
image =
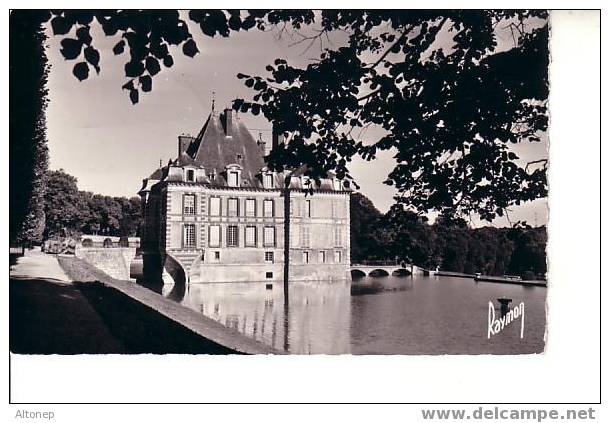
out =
column 290, row 182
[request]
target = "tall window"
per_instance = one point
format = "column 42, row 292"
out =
column 214, row 206
column 268, row 180
column 214, row 236
column 268, row 208
column 321, row 256
column 337, row 256
column 307, row 208
column 305, row 236
column 338, row 236
column 188, row 204
column 269, row 236
column 250, row 236
column 305, row 256
column 231, row 236
column 250, row 207
column 189, row 236
column 233, row 178
column 190, row 175
column 232, row 207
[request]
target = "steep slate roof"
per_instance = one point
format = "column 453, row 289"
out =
column 213, row 149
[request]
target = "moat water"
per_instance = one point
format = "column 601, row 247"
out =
column 391, row 315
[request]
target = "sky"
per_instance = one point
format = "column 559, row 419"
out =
column 109, row 145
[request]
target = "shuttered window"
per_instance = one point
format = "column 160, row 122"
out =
column 250, row 236
column 214, row 206
column 214, row 236
column 268, row 208
column 233, row 207
column 250, row 207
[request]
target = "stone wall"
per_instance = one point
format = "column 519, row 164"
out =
column 113, row 261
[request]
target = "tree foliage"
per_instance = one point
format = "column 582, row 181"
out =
column 450, row 105
column 28, row 154
column 78, row 212
column 448, row 243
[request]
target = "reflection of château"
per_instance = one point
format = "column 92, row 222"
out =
column 216, row 213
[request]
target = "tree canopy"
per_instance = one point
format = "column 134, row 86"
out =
column 450, row 104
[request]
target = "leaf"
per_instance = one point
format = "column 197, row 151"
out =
column 81, row 71
column 82, row 34
column 146, row 83
column 71, row 48
column 92, row 56
column 235, row 23
column 152, row 65
column 133, row 69
column 168, row 61
column 134, row 96
column 119, row 47
column 60, row 25
column 189, row 48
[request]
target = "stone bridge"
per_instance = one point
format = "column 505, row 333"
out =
column 385, row 268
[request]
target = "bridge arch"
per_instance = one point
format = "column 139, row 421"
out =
column 376, row 273
column 357, row 273
column 175, row 269
column 401, row 272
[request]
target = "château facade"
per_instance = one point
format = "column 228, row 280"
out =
column 216, row 213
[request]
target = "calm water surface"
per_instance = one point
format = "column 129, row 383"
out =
column 392, row 315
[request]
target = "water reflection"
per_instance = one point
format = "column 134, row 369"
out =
column 391, row 315
column 313, row 321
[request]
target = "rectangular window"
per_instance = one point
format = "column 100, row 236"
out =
column 338, row 236
column 268, row 256
column 321, row 256
column 250, row 236
column 216, row 255
column 232, row 207
column 305, row 256
column 189, row 236
column 269, row 235
column 250, row 207
column 232, row 236
column 233, row 179
column 188, row 204
column 214, row 206
column 214, row 236
column 269, row 275
column 305, row 236
column 268, row 208
column 337, row 256
column 308, row 208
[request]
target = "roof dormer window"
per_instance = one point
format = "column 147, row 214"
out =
column 234, row 175
column 189, row 175
column 268, row 180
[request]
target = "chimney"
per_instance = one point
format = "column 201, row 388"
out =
column 277, row 137
column 228, row 121
column 184, row 141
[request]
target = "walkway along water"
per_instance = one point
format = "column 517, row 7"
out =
column 106, row 315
